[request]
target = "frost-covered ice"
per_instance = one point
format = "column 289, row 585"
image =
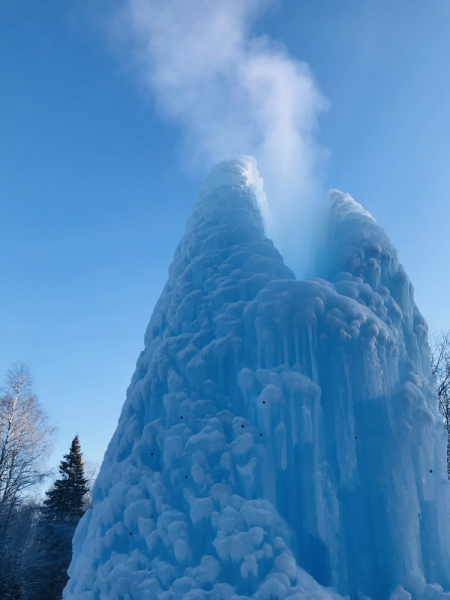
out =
column 280, row 438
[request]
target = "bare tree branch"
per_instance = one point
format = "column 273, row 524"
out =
column 440, row 365
column 25, row 435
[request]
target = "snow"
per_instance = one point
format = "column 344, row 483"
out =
column 280, row 438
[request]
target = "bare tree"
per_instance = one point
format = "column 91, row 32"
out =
column 24, row 438
column 25, row 435
column 15, row 548
column 440, row 364
column 91, row 469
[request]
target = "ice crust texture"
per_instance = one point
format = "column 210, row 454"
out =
column 280, row 438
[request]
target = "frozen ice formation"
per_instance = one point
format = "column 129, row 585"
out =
column 280, row 438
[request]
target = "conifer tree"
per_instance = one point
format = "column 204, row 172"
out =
column 65, row 501
column 62, row 509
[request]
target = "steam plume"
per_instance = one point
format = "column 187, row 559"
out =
column 231, row 93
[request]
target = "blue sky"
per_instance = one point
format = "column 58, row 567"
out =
column 95, row 196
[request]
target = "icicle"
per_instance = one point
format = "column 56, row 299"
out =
column 281, row 450
column 296, row 343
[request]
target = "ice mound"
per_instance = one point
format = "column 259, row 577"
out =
column 280, row 438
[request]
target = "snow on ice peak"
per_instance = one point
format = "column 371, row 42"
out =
column 232, row 182
column 341, row 205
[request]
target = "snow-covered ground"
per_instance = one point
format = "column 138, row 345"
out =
column 280, row 438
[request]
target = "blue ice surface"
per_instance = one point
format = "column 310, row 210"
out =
column 280, row 438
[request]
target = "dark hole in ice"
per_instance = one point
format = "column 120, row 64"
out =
column 185, row 476
column 431, row 470
column 242, row 426
column 260, row 434
column 264, row 401
column 131, row 533
column 181, row 417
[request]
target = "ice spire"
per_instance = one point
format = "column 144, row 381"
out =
column 273, row 427
column 180, row 504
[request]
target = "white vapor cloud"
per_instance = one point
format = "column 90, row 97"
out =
column 231, row 93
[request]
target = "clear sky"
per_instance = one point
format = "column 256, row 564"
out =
column 94, row 196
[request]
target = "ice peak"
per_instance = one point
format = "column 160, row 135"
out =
column 353, row 242
column 232, row 184
column 341, row 205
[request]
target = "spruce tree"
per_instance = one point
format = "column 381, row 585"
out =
column 61, row 511
column 65, row 501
